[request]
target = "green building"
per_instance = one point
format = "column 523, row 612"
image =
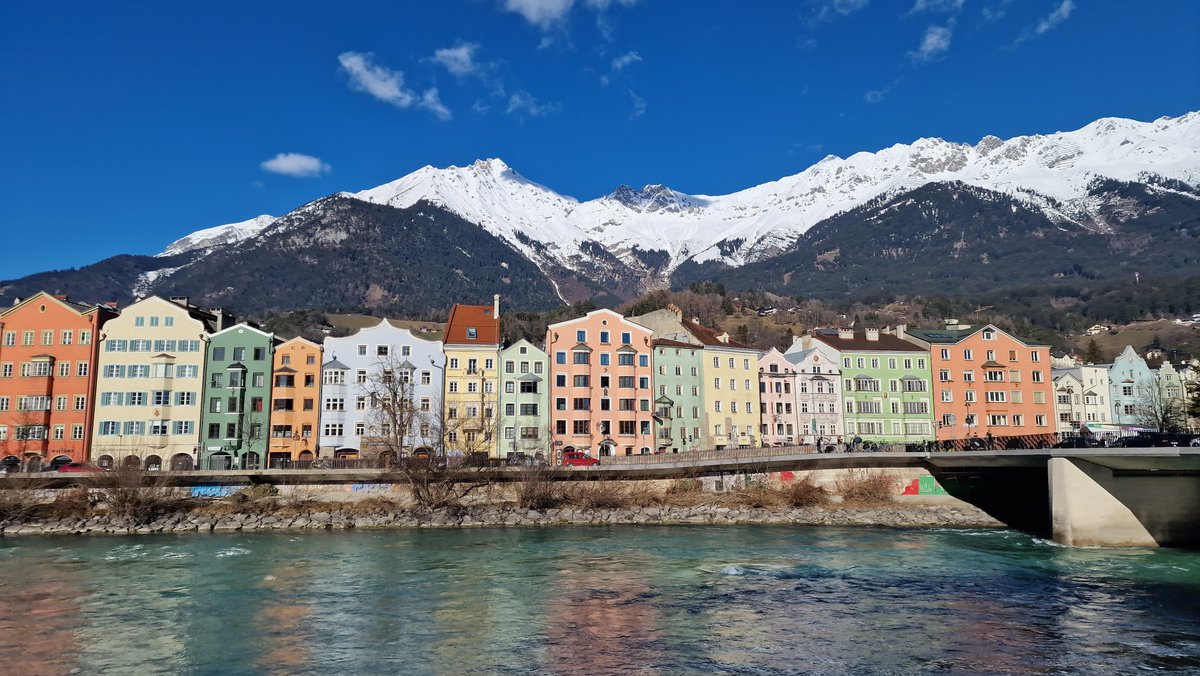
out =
column 679, row 413
column 524, row 400
column 887, row 393
column 237, row 385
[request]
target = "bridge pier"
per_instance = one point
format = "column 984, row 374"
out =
column 1094, row 505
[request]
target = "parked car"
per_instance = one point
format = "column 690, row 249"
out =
column 1080, row 442
column 578, row 459
column 1156, row 440
column 80, row 467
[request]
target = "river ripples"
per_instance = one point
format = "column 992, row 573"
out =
column 681, row 599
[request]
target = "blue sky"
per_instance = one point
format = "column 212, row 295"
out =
column 126, row 125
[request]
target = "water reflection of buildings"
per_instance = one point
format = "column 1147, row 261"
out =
column 39, row 617
column 603, row 617
column 284, row 622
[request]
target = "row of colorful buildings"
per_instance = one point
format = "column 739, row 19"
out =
column 164, row 383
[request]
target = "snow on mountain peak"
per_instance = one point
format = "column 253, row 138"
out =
column 221, row 234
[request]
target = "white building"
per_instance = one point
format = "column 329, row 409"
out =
column 350, row 385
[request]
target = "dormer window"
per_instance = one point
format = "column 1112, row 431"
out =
column 989, row 334
column 472, row 334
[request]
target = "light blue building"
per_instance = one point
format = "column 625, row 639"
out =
column 359, row 368
column 1131, row 382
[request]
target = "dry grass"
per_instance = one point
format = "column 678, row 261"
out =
column 540, row 488
column 18, row 504
column 804, row 492
column 866, row 486
column 74, row 502
column 137, row 499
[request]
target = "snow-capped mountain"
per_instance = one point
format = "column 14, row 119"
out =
column 1050, row 172
column 209, row 238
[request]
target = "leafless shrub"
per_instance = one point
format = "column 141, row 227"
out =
column 866, row 486
column 18, row 504
column 372, row 506
column 613, row 495
column 73, row 502
column 685, row 486
column 757, row 497
column 129, row 496
column 542, row 488
column 804, row 492
column 437, row 484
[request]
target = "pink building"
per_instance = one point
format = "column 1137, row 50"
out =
column 778, row 405
column 600, row 386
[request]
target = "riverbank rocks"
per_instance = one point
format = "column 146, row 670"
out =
column 343, row 516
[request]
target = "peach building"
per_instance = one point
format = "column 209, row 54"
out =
column 295, row 401
column 48, row 349
column 600, row 385
column 779, row 403
column 987, row 381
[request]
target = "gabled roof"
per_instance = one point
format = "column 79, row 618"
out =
column 285, row 369
column 859, row 343
column 76, row 307
column 336, row 365
column 530, row 378
column 481, row 318
column 664, row 342
column 712, row 337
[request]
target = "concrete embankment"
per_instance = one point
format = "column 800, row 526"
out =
column 344, row 515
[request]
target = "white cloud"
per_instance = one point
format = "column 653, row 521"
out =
column 296, row 165
column 831, row 9
column 431, row 102
column 601, row 5
column 544, row 14
column 459, row 59
column 936, row 6
column 934, row 44
column 626, row 59
column 522, row 104
column 1056, row 17
column 387, row 85
column 639, row 105
column 377, row 80
column 877, row 95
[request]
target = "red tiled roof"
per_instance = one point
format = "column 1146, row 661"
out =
column 709, row 336
column 478, row 317
column 664, row 342
column 886, row 343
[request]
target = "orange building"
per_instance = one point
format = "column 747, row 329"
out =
column 600, row 390
column 295, row 393
column 48, row 350
column 986, row 381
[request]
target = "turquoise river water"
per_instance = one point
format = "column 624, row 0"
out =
column 669, row 600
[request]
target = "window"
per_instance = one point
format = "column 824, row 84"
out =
column 945, row 354
column 968, row 354
column 997, row 397
column 383, row 350
column 944, row 375
column 1039, row 420
column 626, row 338
column 10, row 338
column 989, row 334
column 580, row 426
column 993, row 376
column 947, row 396
column 335, row 404
column 529, row 387
column 1037, row 376
column 332, row 430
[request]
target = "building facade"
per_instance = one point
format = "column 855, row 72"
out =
column 149, row 382
column 524, row 401
column 471, row 396
column 601, row 385
column 1081, row 402
column 987, row 382
column 1131, row 384
column 679, row 414
column 237, row 386
column 777, row 389
column 295, row 394
column 886, row 392
column 381, row 394
column 818, row 391
column 48, row 355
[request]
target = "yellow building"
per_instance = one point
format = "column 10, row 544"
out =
column 472, row 380
column 729, row 375
column 149, row 380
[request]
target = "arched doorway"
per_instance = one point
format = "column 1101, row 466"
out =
column 59, row 461
column 306, row 456
column 153, row 463
column 181, row 462
column 346, row 453
column 387, row 459
column 219, row 461
column 131, row 462
column 252, row 460
column 10, row 463
column 105, row 461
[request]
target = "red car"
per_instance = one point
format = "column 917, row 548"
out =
column 578, row 459
column 80, row 467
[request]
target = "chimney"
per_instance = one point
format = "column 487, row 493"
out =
column 872, row 334
column 63, row 297
column 496, row 306
column 180, row 300
column 675, row 309
column 902, row 331
column 111, row 305
column 846, row 334
column 16, row 301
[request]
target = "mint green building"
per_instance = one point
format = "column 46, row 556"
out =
column 679, row 413
column 887, row 393
column 524, row 400
column 237, row 385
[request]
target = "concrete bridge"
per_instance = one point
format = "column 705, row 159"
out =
column 1110, row 497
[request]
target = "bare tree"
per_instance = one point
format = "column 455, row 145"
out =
column 389, row 392
column 1159, row 411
